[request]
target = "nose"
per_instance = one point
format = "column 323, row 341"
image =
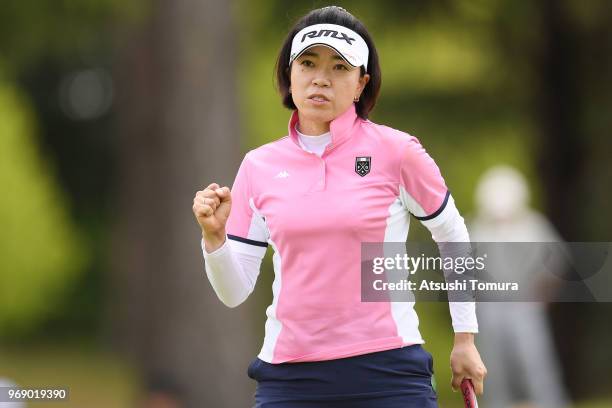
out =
column 321, row 81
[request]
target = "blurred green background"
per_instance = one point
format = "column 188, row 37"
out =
column 114, row 113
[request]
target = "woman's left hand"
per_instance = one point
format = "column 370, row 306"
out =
column 466, row 363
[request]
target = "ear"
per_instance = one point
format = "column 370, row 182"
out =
column 363, row 81
column 288, row 73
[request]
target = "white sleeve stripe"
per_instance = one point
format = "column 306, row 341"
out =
column 438, row 211
column 248, row 249
column 415, row 208
column 450, row 227
column 248, row 241
column 450, row 211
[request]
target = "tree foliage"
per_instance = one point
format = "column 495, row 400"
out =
column 40, row 249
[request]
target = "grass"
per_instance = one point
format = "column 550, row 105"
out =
column 99, row 379
column 95, row 378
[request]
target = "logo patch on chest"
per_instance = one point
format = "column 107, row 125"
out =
column 362, row 165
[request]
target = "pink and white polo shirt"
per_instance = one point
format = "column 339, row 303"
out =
column 315, row 212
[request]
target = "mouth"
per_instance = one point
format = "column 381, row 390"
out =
column 318, row 99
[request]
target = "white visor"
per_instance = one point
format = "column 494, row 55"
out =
column 347, row 43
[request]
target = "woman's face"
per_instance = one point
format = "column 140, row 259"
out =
column 323, row 85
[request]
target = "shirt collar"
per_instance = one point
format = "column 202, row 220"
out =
column 340, row 128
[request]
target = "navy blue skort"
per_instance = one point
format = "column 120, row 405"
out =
column 396, row 378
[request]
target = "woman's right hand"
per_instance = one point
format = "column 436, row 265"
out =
column 211, row 208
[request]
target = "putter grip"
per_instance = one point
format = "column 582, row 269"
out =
column 469, row 396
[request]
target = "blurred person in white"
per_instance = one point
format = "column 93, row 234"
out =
column 5, row 382
column 519, row 350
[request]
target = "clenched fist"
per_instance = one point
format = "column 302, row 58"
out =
column 211, row 208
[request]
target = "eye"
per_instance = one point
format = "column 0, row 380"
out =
column 307, row 63
column 341, row 67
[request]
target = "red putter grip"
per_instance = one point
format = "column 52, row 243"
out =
column 469, row 396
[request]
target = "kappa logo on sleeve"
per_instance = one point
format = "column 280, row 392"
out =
column 283, row 174
column 328, row 33
column 363, row 165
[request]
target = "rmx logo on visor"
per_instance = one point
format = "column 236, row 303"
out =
column 327, row 33
column 346, row 42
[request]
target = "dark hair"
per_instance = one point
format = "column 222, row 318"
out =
column 339, row 16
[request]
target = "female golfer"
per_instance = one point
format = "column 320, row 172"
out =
column 335, row 181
